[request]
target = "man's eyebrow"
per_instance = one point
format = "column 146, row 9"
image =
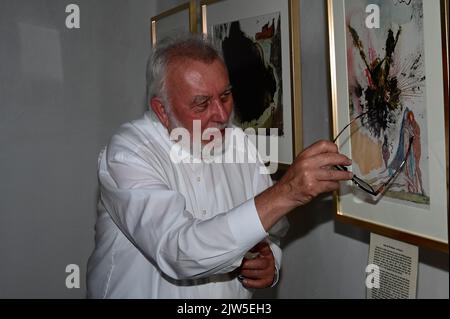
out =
column 227, row 89
column 198, row 99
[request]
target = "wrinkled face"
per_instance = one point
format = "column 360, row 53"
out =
column 199, row 91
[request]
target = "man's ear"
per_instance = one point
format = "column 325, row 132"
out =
column 158, row 107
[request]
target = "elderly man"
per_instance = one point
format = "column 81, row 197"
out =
column 184, row 229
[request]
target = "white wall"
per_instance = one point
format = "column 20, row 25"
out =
column 62, row 94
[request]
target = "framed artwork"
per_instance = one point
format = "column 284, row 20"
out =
column 389, row 84
column 182, row 18
column 260, row 40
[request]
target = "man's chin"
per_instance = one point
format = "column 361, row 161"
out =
column 218, row 136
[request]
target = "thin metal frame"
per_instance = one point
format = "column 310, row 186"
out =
column 191, row 6
column 359, row 181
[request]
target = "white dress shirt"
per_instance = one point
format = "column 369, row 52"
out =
column 167, row 230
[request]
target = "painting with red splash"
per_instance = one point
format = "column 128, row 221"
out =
column 386, row 79
column 252, row 53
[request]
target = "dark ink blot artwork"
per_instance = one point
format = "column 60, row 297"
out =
column 252, row 52
column 386, row 79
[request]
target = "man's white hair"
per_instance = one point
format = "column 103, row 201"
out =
column 183, row 46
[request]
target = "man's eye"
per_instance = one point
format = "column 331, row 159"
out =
column 202, row 106
column 225, row 97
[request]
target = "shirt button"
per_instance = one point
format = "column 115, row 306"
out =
column 204, row 212
column 198, row 179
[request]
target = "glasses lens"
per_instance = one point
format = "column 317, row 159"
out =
column 358, row 181
column 362, row 184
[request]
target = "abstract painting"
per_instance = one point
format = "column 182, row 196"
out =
column 389, row 80
column 386, row 79
column 252, row 52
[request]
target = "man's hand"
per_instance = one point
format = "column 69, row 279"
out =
column 311, row 174
column 260, row 271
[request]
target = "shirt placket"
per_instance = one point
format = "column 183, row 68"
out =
column 201, row 190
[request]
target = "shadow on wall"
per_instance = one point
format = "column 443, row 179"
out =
column 302, row 221
column 434, row 258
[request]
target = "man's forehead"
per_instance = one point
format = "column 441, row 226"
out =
column 193, row 71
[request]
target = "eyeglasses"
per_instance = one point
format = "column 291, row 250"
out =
column 365, row 186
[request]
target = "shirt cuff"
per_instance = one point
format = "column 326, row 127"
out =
column 246, row 226
column 276, row 251
column 276, row 277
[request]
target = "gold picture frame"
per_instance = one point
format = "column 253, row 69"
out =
column 352, row 79
column 188, row 9
column 225, row 12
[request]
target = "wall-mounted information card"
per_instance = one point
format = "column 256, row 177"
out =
column 392, row 269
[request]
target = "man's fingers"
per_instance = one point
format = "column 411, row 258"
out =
column 262, row 248
column 258, row 284
column 319, row 148
column 333, row 175
column 258, row 272
column 255, row 264
column 266, row 251
column 254, row 274
column 330, row 159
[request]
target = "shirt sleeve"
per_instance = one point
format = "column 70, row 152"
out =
column 154, row 218
column 262, row 181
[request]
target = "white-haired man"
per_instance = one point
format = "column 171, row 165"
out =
column 184, row 229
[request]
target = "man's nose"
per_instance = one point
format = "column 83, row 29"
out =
column 220, row 112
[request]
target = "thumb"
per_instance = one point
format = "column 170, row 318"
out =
column 265, row 250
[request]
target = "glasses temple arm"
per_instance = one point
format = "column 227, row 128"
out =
column 340, row 133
